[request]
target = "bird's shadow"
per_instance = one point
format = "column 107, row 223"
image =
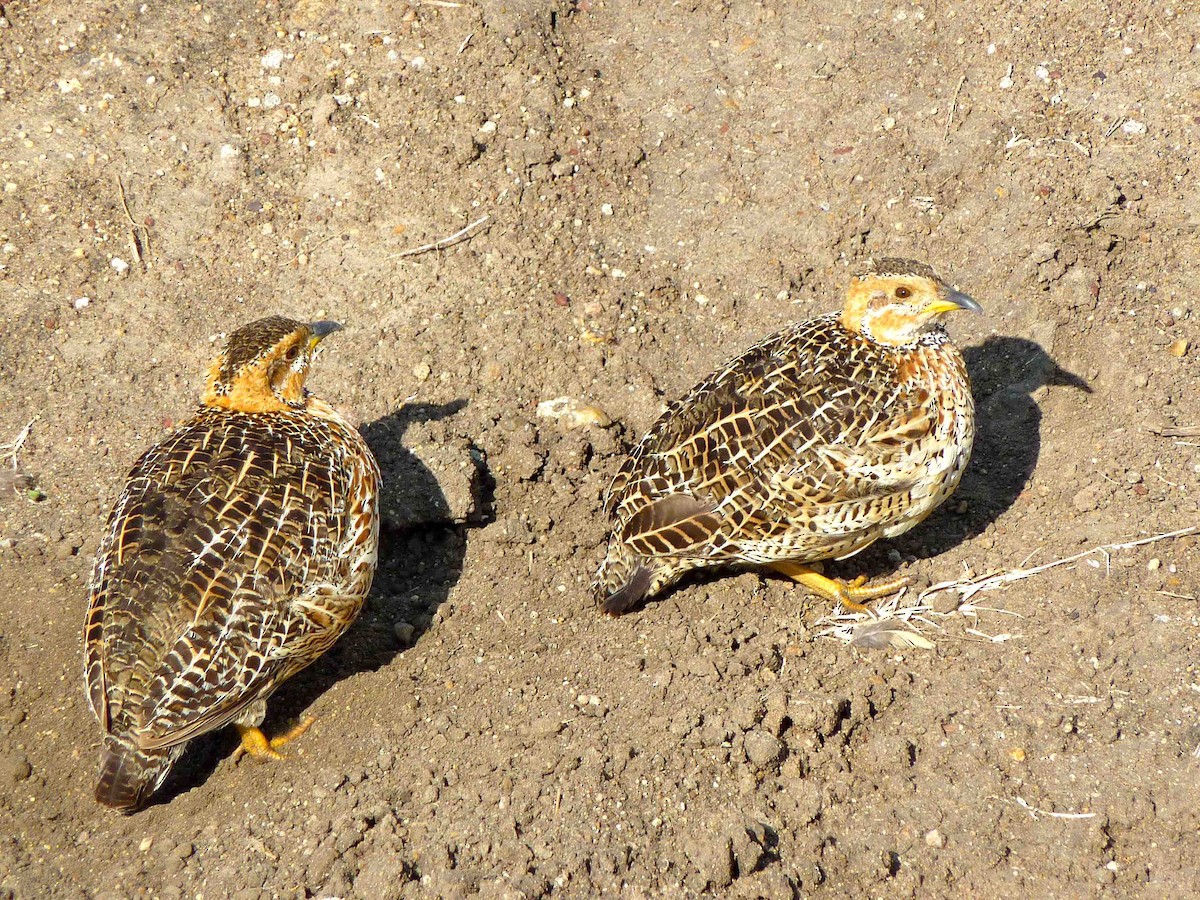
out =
column 1005, row 372
column 419, row 563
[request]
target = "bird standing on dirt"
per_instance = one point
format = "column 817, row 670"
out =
column 241, row 547
column 812, row 445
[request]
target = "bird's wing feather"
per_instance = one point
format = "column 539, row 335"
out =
column 215, row 537
column 794, row 425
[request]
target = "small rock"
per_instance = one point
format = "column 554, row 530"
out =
column 404, row 632
column 119, row 265
column 713, row 857
column 1087, row 499
column 273, row 59
column 15, row 768
column 382, row 875
column 1179, row 348
column 1133, row 477
column 935, row 839
column 573, row 414
column 1154, row 565
column 763, row 749
column 422, row 371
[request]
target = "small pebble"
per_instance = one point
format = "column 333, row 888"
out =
column 15, row 768
column 273, row 59
column 270, row 101
column 404, row 632
column 1179, row 348
column 606, row 209
column 422, row 371
column 146, row 844
column 573, row 414
column 1133, row 126
column 1133, row 477
column 934, row 839
column 1017, row 754
column 119, row 265
column 763, row 749
column 81, row 302
column 1154, row 565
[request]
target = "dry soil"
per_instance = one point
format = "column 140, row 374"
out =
column 665, row 183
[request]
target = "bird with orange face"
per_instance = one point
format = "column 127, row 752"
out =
column 240, row 548
column 810, row 446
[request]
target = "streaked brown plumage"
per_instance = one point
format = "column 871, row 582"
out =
column 241, row 547
column 811, row 445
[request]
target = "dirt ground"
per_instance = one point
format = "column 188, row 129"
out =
column 665, row 183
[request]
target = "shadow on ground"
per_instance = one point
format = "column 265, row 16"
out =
column 420, row 560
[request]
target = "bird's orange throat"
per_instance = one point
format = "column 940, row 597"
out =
column 251, row 392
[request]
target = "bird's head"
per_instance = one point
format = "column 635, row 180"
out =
column 263, row 365
column 898, row 300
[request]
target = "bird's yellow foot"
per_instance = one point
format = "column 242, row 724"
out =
column 255, row 743
column 851, row 595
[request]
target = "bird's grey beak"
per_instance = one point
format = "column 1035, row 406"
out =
column 952, row 302
column 962, row 301
column 322, row 330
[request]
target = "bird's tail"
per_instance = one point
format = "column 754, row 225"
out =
column 623, row 580
column 129, row 775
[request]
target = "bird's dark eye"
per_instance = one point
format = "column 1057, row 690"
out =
column 292, row 352
column 903, row 293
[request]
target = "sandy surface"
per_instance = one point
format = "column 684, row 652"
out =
column 665, row 184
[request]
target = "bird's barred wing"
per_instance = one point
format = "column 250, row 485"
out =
column 792, row 424
column 193, row 596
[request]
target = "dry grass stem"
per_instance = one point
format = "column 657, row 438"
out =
column 1035, row 812
column 1175, row 430
column 879, row 628
column 969, row 588
column 11, row 450
column 461, row 235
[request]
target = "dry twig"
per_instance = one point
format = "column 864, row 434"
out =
column 953, row 107
column 1035, row 812
column 11, row 450
column 461, row 235
column 1175, row 430
column 970, row 587
column 139, row 235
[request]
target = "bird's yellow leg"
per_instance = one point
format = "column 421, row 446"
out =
column 850, row 594
column 255, row 743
